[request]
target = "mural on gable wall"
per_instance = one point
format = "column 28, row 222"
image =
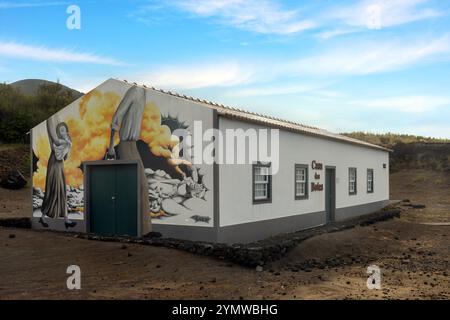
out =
column 105, row 124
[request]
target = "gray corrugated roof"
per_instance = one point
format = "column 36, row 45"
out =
column 254, row 117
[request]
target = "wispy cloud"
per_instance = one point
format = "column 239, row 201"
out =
column 388, row 12
column 22, row 51
column 301, row 74
column 374, row 14
column 363, row 59
column 269, row 17
column 219, row 74
column 260, row 16
column 271, row 90
column 415, row 104
column 325, row 35
column 17, row 4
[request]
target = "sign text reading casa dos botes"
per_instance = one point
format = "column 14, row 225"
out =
column 316, row 186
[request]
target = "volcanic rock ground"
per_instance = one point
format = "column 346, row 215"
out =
column 412, row 252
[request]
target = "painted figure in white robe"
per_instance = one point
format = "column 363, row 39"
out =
column 54, row 204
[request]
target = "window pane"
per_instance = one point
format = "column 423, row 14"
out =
column 300, row 188
column 352, row 186
column 261, row 174
column 261, row 182
column 369, row 180
column 300, row 174
column 260, row 178
column 261, row 191
column 352, row 180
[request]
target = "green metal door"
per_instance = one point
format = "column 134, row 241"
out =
column 101, row 193
column 330, row 194
column 113, row 199
column 126, row 199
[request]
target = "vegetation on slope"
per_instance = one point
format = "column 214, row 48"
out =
column 389, row 140
column 20, row 112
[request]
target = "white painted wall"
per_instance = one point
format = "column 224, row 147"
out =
column 235, row 181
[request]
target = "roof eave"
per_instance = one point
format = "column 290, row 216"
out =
column 303, row 131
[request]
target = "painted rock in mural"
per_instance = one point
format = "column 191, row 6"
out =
column 173, row 196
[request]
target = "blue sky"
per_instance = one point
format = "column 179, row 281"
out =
column 371, row 65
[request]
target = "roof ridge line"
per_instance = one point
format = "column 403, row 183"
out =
column 320, row 131
column 180, row 95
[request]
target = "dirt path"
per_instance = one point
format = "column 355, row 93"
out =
column 15, row 203
column 413, row 257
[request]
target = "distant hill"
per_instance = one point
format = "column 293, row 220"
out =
column 389, row 140
column 30, row 87
column 411, row 152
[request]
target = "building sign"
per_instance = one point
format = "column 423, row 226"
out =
column 316, row 165
column 316, row 186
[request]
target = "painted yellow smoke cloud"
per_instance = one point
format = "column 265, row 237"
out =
column 157, row 136
column 42, row 151
column 90, row 129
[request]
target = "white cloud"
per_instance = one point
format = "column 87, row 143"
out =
column 362, row 59
column 261, row 16
column 220, row 74
column 410, row 104
column 386, row 13
column 331, row 94
column 372, row 15
column 315, row 91
column 325, row 35
column 269, row 17
column 12, row 5
column 345, row 60
column 42, row 53
column 270, row 90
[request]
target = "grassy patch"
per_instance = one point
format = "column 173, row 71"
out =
column 419, row 179
column 10, row 146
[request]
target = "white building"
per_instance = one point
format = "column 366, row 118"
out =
column 321, row 177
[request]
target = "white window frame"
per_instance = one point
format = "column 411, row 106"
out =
column 261, row 170
column 352, row 181
column 303, row 180
column 370, row 181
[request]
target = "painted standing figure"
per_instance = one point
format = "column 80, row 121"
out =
column 54, row 204
column 127, row 120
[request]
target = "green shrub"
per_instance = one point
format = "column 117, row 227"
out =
column 19, row 113
column 14, row 127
